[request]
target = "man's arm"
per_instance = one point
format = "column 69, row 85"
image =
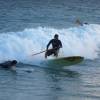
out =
column 49, row 44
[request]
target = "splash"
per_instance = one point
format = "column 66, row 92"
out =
column 77, row 41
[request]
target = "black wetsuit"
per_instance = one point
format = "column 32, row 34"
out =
column 6, row 64
column 56, row 45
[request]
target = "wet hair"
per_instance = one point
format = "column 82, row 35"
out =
column 56, row 36
column 14, row 62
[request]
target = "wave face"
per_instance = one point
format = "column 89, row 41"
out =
column 81, row 41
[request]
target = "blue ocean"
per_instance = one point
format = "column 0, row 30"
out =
column 26, row 26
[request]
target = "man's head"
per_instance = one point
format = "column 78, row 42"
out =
column 56, row 36
column 14, row 62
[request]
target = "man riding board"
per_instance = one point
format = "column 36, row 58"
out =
column 56, row 45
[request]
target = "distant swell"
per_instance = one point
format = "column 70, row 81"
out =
column 82, row 41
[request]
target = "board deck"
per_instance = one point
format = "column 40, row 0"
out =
column 64, row 61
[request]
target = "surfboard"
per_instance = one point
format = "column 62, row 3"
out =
column 64, row 61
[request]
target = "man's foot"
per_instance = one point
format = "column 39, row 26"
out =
column 56, row 54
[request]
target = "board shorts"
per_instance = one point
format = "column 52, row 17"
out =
column 51, row 52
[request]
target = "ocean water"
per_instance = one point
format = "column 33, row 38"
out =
column 26, row 26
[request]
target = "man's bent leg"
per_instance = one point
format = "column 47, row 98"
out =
column 56, row 53
column 48, row 53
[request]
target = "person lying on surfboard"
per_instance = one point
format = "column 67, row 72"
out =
column 56, row 45
column 9, row 64
column 78, row 22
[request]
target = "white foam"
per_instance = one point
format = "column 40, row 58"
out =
column 82, row 41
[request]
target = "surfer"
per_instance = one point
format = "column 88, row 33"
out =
column 9, row 64
column 56, row 45
column 78, row 22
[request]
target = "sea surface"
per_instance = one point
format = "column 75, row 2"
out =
column 26, row 26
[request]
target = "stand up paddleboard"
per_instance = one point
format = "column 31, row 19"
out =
column 64, row 61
